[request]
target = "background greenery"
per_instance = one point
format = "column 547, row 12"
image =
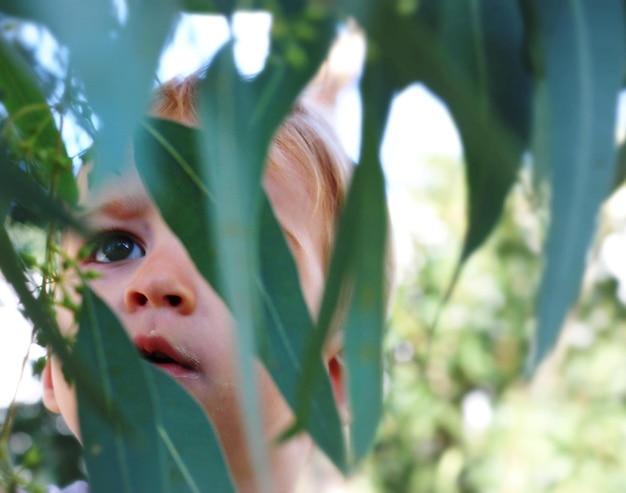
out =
column 520, row 79
column 561, row 431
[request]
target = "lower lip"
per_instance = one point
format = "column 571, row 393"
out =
column 177, row 371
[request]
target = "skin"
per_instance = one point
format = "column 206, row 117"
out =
column 148, row 279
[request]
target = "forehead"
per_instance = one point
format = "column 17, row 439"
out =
column 125, row 189
column 121, row 199
column 291, row 188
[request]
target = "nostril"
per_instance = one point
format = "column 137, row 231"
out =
column 174, row 300
column 141, row 299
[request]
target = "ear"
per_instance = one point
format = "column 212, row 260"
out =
column 336, row 372
column 49, row 396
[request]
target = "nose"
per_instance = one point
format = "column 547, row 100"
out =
column 165, row 279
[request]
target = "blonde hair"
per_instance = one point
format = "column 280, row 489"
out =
column 305, row 139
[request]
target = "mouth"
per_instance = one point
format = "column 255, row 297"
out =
column 159, row 352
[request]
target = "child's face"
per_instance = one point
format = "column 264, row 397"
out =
column 148, row 279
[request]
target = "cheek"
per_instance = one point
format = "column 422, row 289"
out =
column 66, row 289
column 289, row 458
column 66, row 319
column 277, row 416
column 66, row 398
column 311, row 276
column 109, row 287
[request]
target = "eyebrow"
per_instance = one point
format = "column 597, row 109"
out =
column 120, row 207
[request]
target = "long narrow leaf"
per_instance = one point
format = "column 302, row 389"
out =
column 233, row 172
column 366, row 216
column 470, row 54
column 194, row 456
column 358, row 268
column 584, row 69
column 139, row 442
column 483, row 42
column 234, row 112
column 123, row 451
column 18, row 185
column 288, row 328
column 30, row 113
column 167, row 158
column 127, row 51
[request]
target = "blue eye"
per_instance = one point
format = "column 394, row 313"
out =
column 116, row 247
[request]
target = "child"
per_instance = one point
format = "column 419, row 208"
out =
column 148, row 279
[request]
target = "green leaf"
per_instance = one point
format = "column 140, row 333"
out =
column 584, row 68
column 276, row 88
column 123, row 452
column 233, row 112
column 118, row 86
column 620, row 171
column 365, row 228
column 19, row 185
column 4, row 207
column 483, row 41
column 167, row 158
column 357, row 278
column 23, row 99
column 194, row 455
column 225, row 7
column 292, row 7
column 470, row 54
column 134, row 58
column 139, row 442
column 30, row 113
column 288, row 327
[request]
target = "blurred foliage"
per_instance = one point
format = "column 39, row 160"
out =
column 458, row 417
column 45, row 448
